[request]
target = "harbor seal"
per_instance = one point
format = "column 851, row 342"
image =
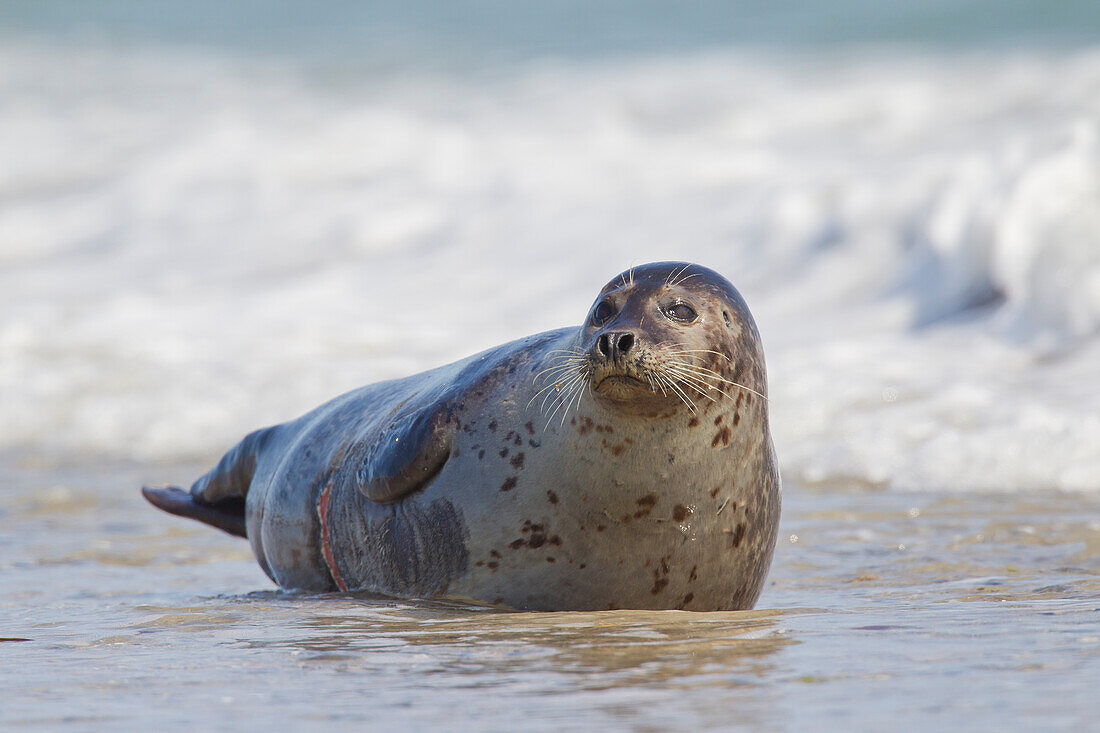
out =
column 624, row 463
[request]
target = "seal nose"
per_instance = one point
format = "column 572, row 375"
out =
column 615, row 345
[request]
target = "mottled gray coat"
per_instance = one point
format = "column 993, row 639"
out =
column 457, row 483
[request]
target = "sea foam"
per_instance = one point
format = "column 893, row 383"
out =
column 193, row 245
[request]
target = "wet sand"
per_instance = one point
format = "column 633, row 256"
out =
column 884, row 610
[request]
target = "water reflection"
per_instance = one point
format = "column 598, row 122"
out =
column 626, row 647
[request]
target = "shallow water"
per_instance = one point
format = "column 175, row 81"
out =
column 884, row 609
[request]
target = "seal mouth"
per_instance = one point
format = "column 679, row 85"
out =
column 613, row 381
column 624, row 388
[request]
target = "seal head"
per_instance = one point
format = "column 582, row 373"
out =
column 662, row 338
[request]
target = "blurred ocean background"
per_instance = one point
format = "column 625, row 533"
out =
column 217, row 215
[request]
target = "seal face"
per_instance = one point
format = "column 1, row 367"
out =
column 625, row 463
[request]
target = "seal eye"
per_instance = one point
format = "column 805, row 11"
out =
column 603, row 312
column 681, row 312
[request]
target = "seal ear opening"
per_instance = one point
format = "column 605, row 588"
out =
column 227, row 515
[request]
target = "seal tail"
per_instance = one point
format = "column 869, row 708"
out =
column 218, row 498
column 226, row 515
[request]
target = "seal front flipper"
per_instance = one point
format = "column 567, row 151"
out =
column 226, row 515
column 408, row 452
column 410, row 446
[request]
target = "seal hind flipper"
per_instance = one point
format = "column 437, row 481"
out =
column 232, row 476
column 227, row 515
column 408, row 453
column 217, row 498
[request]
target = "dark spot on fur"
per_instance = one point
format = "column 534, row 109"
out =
column 722, row 436
column 727, row 319
column 549, row 559
column 504, row 453
column 718, row 420
column 556, row 541
column 714, row 491
column 660, row 575
column 518, row 440
column 680, row 512
column 481, row 454
column 686, row 600
column 693, row 422
column 694, row 575
column 649, row 500
column 516, row 544
column 601, row 527
column 509, row 483
column 551, row 497
column 582, row 566
column 509, row 436
column 536, row 540
column 529, row 427
column 479, row 563
column 492, row 426
column 625, row 519
column 738, row 535
column 493, row 564
column 534, row 443
column 494, row 553
column 736, row 419
column 517, row 462
column 585, row 426
column 617, row 449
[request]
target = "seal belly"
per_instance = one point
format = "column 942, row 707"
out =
column 567, row 518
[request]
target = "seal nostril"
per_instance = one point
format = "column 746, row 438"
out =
column 625, row 342
column 603, row 345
